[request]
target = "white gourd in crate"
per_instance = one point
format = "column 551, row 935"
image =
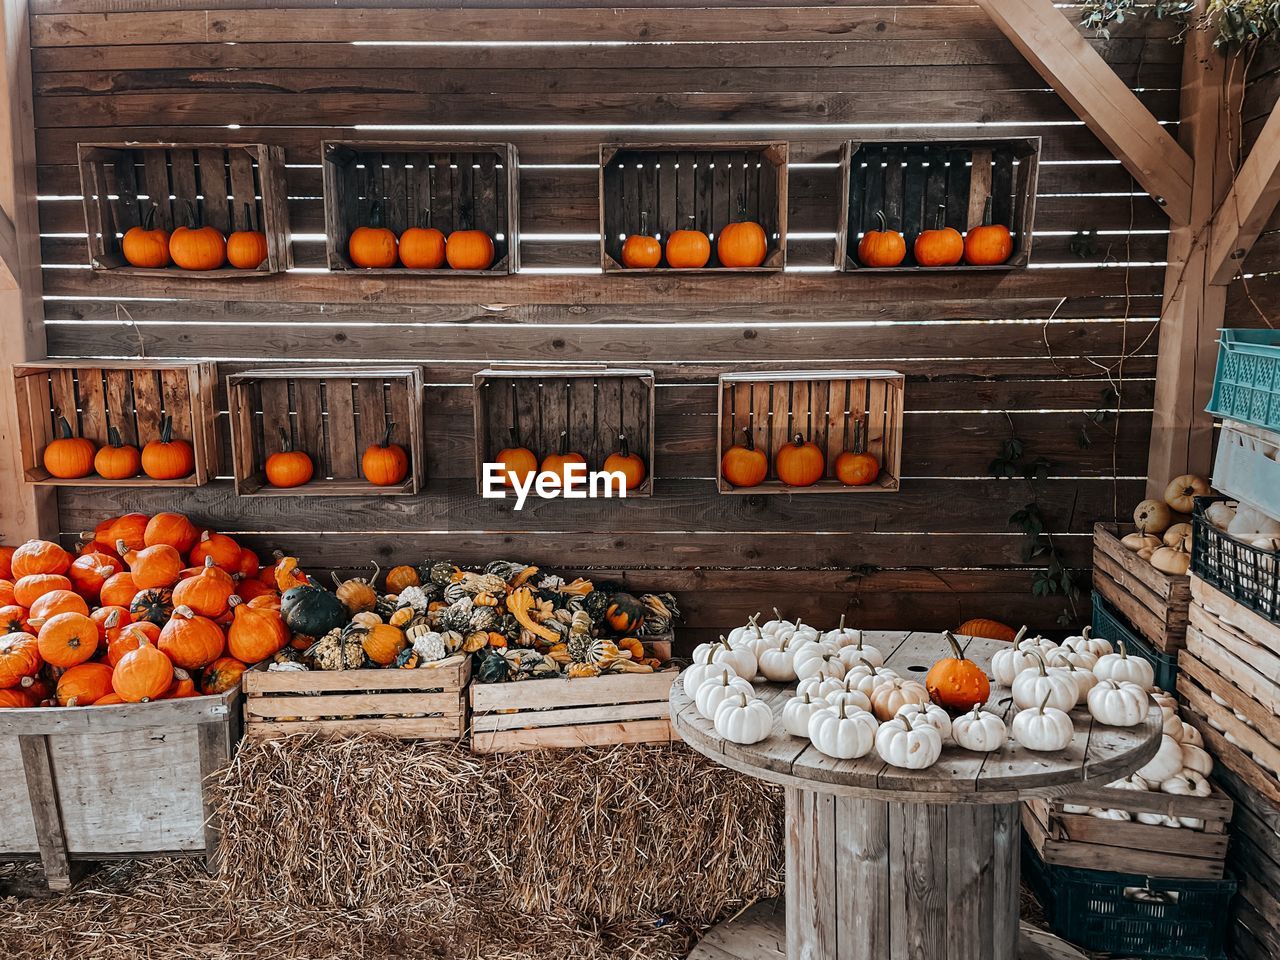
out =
column 1165, row 764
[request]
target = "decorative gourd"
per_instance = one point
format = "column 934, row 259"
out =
column 1042, row 684
column 357, row 593
column 989, row 244
column 558, row 463
column 856, row 467
column 1008, row 663
column 799, row 463
column 742, row 243
column 373, row 246
column 221, row 675
column 53, row 603
column 422, row 247
column 889, row 697
column 743, row 719
column 883, row 247
column 1044, row 729
column 171, row 528
column 247, row 247
column 469, row 249
column 288, row 467
column 841, row 636
column 1165, row 764
column 979, row 731
column 912, row 746
column 147, row 245
column 625, row 614
column 516, row 460
column 116, row 460
column 119, row 590
column 84, row 685
column 688, row 249
column 382, row 643
column 798, row 710
column 990, row 629
column 31, row 588
column 1121, row 666
column 1121, row 704
column 957, row 683
column 742, row 464
column 927, row 713
column 1070, row 656
column 399, row 578
column 940, row 246
column 224, row 550
column 207, row 592
column 68, row 457
column 1182, row 491
column 168, row 458
column 629, row 464
column 842, row 732
column 19, row 658
column 89, row 571
column 196, row 246
column 867, row 679
column 68, row 639
column 142, row 674
column 158, row 566
column 641, row 251
column 385, row 464
column 812, row 658
column 1085, row 680
column 713, row 692
column 154, row 604
column 190, row 640
column 312, row 611
column 1085, row 642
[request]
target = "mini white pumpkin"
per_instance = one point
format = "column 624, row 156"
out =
column 1170, row 723
column 1131, row 782
column 778, row 663
column 1067, row 656
column 777, row 626
column 1042, row 645
column 1011, row 661
column 744, row 719
column 747, row 633
column 698, row 674
column 842, row 732
column 800, row 632
column 819, row 685
column 741, row 658
column 1191, row 736
column 1196, row 758
column 1187, row 783
column 809, row 664
column 1079, row 809
column 912, row 746
column 713, row 692
column 841, row 636
column 929, row 713
column 1085, row 642
column 1164, row 698
column 1121, row 666
column 865, row 678
column 1053, row 686
column 890, row 697
column 1165, row 764
column 861, row 652
column 798, row 710
column 979, row 731
column 1085, row 680
column 852, row 699
column 1111, row 814
column 1118, row 704
column 1044, row 729
column 1159, row 820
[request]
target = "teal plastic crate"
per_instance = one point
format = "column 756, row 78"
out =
column 1246, row 385
column 1130, row 915
column 1109, row 624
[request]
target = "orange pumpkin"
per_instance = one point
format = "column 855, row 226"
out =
column 641, row 251
column 799, row 463
column 30, row 589
column 119, row 590
column 221, row 675
column 742, row 243
column 956, row 683
column 197, row 247
column 17, row 697
column 256, row 633
column 68, row 639
column 989, row 244
column 402, row 576
column 171, row 528
column 422, row 248
column 385, row 464
column 190, row 640
column 688, row 249
column 167, row 458
column 89, row 571
column 224, row 550
column 856, row 467
column 990, row 629
column 19, row 658
column 112, row 699
column 248, row 566
column 111, row 622
column 742, row 464
column 6, row 562
column 6, row 592
column 158, row 566
column 182, row 687
column 469, row 250
column 288, row 467
column 39, row 556
column 372, row 246
column 207, row 592
column 883, row 247
column 53, row 603
column 84, row 685
column 146, row 245
column 517, row 461
column 131, row 528
column 13, row 619
column 246, row 247
column 264, row 601
column 117, row 460
column 558, row 463
column 253, row 589
column 623, row 461
column 68, row 457
column 142, row 674
column 131, row 638
column 941, row 246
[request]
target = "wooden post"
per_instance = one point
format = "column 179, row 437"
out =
column 25, row 510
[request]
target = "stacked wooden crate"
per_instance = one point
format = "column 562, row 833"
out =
column 1154, row 603
column 1254, row 860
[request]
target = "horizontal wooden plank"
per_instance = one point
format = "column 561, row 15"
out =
column 406, row 728
column 449, row 674
column 575, row 737
column 357, row 704
column 527, row 719
column 581, row 692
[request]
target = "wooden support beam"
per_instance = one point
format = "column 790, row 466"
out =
column 1053, row 45
column 8, row 253
column 1249, row 204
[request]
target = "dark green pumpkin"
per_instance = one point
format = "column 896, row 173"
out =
column 154, row 605
column 312, row 610
column 625, row 614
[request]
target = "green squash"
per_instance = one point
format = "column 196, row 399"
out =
column 625, row 614
column 312, row 610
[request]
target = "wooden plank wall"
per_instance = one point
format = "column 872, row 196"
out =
column 1254, row 299
column 985, row 355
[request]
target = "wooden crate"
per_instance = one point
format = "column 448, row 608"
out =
column 593, row 404
column 586, row 712
column 825, row 406
column 121, row 182
column 1079, row 840
column 424, row 704
column 703, row 186
column 1229, row 678
column 1156, row 604
column 133, row 396
column 333, row 414
column 445, row 185
column 82, row 784
column 1254, row 860
column 910, row 180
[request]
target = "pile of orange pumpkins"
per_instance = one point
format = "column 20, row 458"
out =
column 148, row 608
column 799, row 463
column 987, row 244
column 742, row 243
column 195, row 246
column 165, row 457
column 373, row 246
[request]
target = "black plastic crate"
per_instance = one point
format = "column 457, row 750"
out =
column 1131, row 915
column 1110, row 624
column 1247, row 574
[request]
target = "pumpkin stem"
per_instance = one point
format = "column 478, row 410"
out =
column 1123, row 652
column 940, row 216
column 1022, row 632
column 841, row 624
column 644, row 223
column 955, row 646
column 386, row 437
column 622, row 445
column 798, row 441
column 375, row 213
column 286, row 445
column 1086, row 632
column 248, row 218
column 234, row 600
column 193, row 219
column 986, row 212
column 564, row 442
column 750, row 444
column 166, row 430
column 64, row 429
column 149, row 219
column 742, row 207
column 881, row 221
column 1045, row 702
column 113, row 437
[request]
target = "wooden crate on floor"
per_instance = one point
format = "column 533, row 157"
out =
column 1229, row 677
column 81, row 784
column 1155, row 603
column 830, row 407
column 449, row 186
column 910, row 181
column 669, row 187
column 1079, row 840
column 333, row 414
column 423, row 704
column 1254, row 860
column 585, row 712
column 225, row 186
column 134, row 396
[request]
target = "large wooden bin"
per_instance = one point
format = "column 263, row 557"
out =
column 83, row 784
column 1153, row 602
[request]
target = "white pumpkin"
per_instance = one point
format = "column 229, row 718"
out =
column 744, row 719
column 861, row 652
column 778, row 663
column 803, row 658
column 1067, row 656
column 1086, row 642
column 912, row 746
column 1079, row 809
column 865, row 679
column 698, row 674
column 747, row 633
column 819, row 685
column 1121, row 666
column 841, row 636
column 1085, row 680
column 777, row 626
column 1111, row 814
column 1196, row 758
column 1164, row 698
column 842, row 732
column 1165, row 764
column 889, row 697
column 979, row 731
column 1159, row 820
column 1191, row 736
column 800, row 632
column 1187, row 783
column 797, row 711
column 852, row 699
column 1044, row 729
column 757, row 644
column 1131, row 782
column 1170, row 723
column 1118, row 704
column 929, row 713
column 1011, row 661
column 713, row 692
column 741, row 658
column 1041, row 685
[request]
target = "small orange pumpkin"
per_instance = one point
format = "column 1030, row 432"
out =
column 742, row 464
column 31, row 588
column 517, row 461
column 190, row 640
column 171, row 528
column 19, row 658
column 956, row 683
column 39, row 556
column 883, row 247
column 146, row 245
column 84, row 685
column 68, row 639
column 224, row 550
column 641, row 251
column 623, row 461
column 799, row 463
column 372, row 246
column 13, row 619
column 6, row 592
column 68, row 457
column 941, row 246
column 167, row 458
column 89, row 571
column 256, row 633
column 111, row 622
column 130, row 527
column 856, row 467
column 469, row 250
column 422, row 248
column 246, row 247
column 143, row 673
column 288, row 467
column 117, row 460
column 53, row 603
column 196, row 246
column 158, row 566
column 385, row 464
column 131, row 638
column 990, row 629
column 119, row 590
column 6, row 562
column 207, row 592
column 221, row 675
column 742, row 243
column 183, row 686
column 990, row 243
column 400, row 577
column 688, row 249
column 558, row 463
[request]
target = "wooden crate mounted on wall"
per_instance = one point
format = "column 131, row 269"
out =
column 134, row 396
column 705, row 186
column 594, row 405
column 451, row 183
column 909, row 181
column 122, row 182
column 825, row 406
column 333, row 414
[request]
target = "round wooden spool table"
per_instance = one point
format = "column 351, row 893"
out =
column 892, row 864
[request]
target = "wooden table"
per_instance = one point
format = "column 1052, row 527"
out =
column 891, row 864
